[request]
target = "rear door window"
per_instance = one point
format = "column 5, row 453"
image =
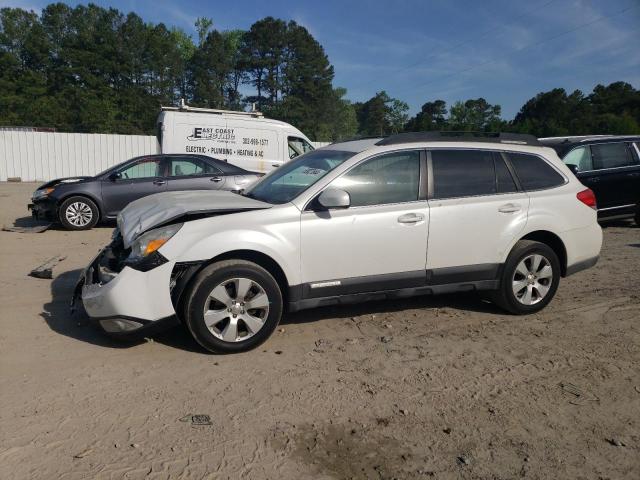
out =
column 463, row 173
column 186, row 166
column 580, row 157
column 534, row 173
column 611, row 155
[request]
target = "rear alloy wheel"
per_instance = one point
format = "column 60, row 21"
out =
column 233, row 306
column 530, row 278
column 78, row 213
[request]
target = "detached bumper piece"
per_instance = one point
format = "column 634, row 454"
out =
column 126, row 300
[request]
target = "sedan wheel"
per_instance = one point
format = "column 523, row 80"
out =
column 78, row 213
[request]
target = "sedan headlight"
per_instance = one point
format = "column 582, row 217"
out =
column 41, row 193
column 151, row 241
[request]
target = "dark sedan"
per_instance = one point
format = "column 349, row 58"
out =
column 79, row 203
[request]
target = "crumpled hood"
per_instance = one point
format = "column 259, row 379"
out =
column 162, row 208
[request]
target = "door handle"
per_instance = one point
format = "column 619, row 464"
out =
column 275, row 165
column 215, row 179
column 509, row 208
column 159, row 182
column 635, row 174
column 410, row 218
column 592, row 179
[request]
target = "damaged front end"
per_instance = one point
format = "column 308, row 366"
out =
column 125, row 294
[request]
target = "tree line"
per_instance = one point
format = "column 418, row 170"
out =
column 94, row 69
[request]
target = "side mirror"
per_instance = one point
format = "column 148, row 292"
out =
column 573, row 168
column 334, row 198
column 115, row 176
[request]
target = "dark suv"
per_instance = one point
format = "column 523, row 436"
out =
column 608, row 165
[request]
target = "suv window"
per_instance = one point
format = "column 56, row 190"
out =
column 580, row 157
column 298, row 146
column 389, row 178
column 183, row 167
column 286, row 182
column 534, row 173
column 504, row 180
column 611, row 155
column 144, row 168
column 463, row 173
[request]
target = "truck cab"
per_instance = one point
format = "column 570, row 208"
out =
column 246, row 139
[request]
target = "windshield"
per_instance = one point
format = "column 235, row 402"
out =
column 294, row 177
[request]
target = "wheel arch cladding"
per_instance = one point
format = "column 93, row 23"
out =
column 259, row 258
column 554, row 242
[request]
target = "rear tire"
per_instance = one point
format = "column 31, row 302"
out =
column 78, row 213
column 529, row 279
column 233, row 306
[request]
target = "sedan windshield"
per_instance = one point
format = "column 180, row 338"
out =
column 287, row 182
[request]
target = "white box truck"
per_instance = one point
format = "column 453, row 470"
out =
column 245, row 139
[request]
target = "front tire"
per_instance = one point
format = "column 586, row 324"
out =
column 233, row 306
column 78, row 213
column 530, row 278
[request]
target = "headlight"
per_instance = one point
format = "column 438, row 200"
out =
column 42, row 192
column 151, row 241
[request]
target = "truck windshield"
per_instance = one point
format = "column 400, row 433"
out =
column 294, row 177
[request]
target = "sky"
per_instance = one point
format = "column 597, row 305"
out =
column 418, row 51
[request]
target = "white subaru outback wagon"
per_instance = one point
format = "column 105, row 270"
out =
column 405, row 215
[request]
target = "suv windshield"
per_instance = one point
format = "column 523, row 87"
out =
column 294, row 177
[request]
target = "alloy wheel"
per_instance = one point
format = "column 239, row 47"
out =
column 79, row 214
column 236, row 309
column 532, row 279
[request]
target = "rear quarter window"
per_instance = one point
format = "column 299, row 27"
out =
column 534, row 173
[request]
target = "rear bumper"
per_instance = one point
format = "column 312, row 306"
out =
column 129, row 301
column 583, row 247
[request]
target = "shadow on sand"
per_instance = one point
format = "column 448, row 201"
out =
column 78, row 326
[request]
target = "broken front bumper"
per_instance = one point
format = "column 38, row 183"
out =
column 43, row 210
column 126, row 301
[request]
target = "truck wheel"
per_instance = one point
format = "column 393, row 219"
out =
column 530, row 278
column 233, row 306
column 78, row 213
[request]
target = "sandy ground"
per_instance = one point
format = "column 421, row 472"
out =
column 432, row 387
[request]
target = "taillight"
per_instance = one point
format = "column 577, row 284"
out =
column 588, row 198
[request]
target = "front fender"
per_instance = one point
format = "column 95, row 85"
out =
column 204, row 239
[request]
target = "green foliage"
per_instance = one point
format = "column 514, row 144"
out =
column 93, row 69
column 381, row 115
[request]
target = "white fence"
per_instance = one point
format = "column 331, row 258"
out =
column 42, row 156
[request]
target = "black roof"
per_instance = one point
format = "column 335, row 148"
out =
column 563, row 144
column 489, row 137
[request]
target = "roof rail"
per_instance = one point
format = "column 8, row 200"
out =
column 183, row 107
column 489, row 137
